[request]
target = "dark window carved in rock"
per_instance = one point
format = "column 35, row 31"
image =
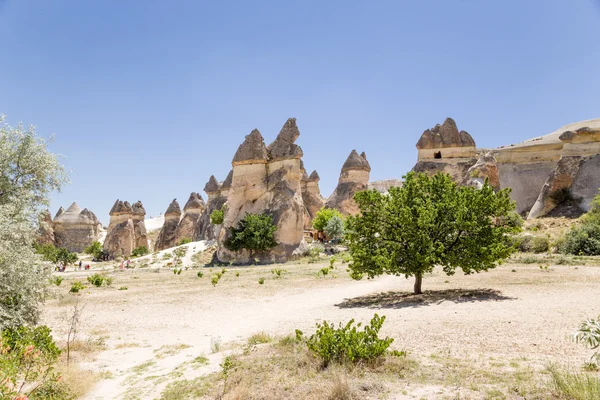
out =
column 437, row 154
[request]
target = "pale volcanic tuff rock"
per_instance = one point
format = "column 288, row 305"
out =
column 486, row 167
column 446, row 149
column 354, row 178
column 576, row 178
column 383, row 186
column 167, row 236
column 311, row 197
column 192, row 212
column 75, row 229
column 126, row 229
column 267, row 179
column 217, row 196
column 46, row 229
column 59, row 212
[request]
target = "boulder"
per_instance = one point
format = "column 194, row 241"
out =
column 354, row 178
column 167, row 236
column 75, row 229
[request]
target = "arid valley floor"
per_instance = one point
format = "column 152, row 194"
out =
column 490, row 335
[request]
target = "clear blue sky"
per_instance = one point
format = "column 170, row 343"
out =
column 148, row 99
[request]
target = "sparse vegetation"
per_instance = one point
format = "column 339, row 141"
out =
column 261, row 281
column 76, row 287
column 95, row 250
column 217, row 217
column 98, row 280
column 255, row 232
column 183, row 241
column 139, row 251
column 57, row 280
column 589, row 334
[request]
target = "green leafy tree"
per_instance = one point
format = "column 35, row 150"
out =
column 95, row 249
column 429, row 221
column 28, row 174
column 65, row 257
column 323, row 216
column 335, row 228
column 256, row 233
column 217, row 217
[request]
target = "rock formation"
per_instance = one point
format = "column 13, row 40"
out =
column 75, row 229
column 353, row 178
column 46, row 229
column 445, row 149
column 192, row 211
column 267, row 179
column 576, row 178
column 384, row 186
column 486, row 167
column 167, row 236
column 311, row 197
column 217, row 196
column 59, row 212
column 126, row 229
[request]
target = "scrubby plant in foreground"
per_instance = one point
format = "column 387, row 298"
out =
column 76, row 287
column 429, row 221
column 589, row 334
column 347, row 343
column 27, row 359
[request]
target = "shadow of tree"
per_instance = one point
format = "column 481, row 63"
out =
column 429, row 297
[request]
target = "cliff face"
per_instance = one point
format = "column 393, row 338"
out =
column 354, row 178
column 267, row 179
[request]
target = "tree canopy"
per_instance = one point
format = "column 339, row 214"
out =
column 29, row 172
column 429, row 221
column 323, row 216
column 255, row 232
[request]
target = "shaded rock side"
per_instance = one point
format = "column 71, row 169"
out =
column 192, row 211
column 75, row 229
column 217, row 196
column 354, row 178
column 46, row 229
column 167, row 237
column 486, row 167
column 311, row 197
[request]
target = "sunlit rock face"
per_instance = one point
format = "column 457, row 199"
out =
column 446, row 149
column 126, row 229
column 311, row 197
column 75, row 229
column 167, row 236
column 192, row 211
column 217, row 196
column 267, row 179
column 354, row 178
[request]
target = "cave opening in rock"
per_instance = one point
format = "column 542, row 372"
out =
column 437, row 154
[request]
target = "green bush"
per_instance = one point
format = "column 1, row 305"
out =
column 261, row 281
column 589, row 334
column 180, row 252
column 57, row 280
column 347, row 344
column 29, row 355
column 96, row 279
column 55, row 255
column 200, row 274
column 215, row 279
column 123, row 288
column 139, row 251
column 323, row 216
column 76, row 287
column 535, row 244
column 184, row 241
column 217, row 217
column 255, row 232
column 582, row 240
column 95, row 249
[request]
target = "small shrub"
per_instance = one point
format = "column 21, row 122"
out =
column 184, row 241
column 582, row 240
column 323, row 272
column 217, row 217
column 529, row 260
column 576, row 386
column 347, row 344
column 200, row 274
column 180, row 252
column 139, row 251
column 76, row 287
column 314, row 252
column 589, row 334
column 259, row 338
column 108, row 280
column 277, row 272
column 179, row 271
column 123, row 288
column 95, row 250
column 535, row 244
column 215, row 344
column 96, row 279
column 215, row 280
column 57, row 280
column 237, row 274
column 167, row 256
column 261, row 281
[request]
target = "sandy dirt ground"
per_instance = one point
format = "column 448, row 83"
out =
column 162, row 321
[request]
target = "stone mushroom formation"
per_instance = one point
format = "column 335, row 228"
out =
column 126, row 230
column 73, row 229
column 354, row 178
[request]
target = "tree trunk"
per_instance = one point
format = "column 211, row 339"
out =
column 418, row 282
